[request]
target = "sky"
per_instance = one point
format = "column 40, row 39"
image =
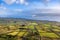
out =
column 30, row 9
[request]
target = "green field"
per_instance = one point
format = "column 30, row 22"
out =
column 16, row 29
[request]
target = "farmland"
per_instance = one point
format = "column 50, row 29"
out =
column 22, row 29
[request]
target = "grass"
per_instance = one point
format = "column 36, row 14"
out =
column 50, row 35
column 13, row 33
column 20, row 34
column 57, row 30
column 43, row 30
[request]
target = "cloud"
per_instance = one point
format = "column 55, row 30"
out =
column 34, row 15
column 22, row 1
column 3, row 7
column 10, row 13
column 46, row 11
column 48, row 0
column 26, row 3
column 45, row 1
column 9, row 1
column 17, row 2
column 3, row 13
column 18, row 10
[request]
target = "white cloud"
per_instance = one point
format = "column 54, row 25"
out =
column 9, row 13
column 50, row 11
column 3, row 13
column 3, row 10
column 17, row 2
column 18, row 10
column 9, row 1
column 33, row 15
column 26, row 3
column 47, row 0
column 55, row 7
column 22, row 1
column 3, row 7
